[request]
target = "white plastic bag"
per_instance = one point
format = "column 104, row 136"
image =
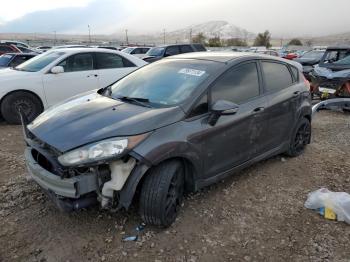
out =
column 339, row 202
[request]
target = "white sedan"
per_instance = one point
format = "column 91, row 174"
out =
column 56, row 75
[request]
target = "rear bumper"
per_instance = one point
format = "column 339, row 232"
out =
column 73, row 187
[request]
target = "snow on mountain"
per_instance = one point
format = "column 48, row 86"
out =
column 211, row 29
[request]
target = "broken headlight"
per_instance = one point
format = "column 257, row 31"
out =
column 98, row 151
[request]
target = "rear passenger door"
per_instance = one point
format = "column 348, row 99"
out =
column 111, row 67
column 282, row 93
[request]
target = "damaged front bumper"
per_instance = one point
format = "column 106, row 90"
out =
column 73, row 187
column 336, row 103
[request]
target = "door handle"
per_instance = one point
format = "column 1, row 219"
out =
column 95, row 75
column 258, row 110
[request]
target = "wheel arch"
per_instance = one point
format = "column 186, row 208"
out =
column 22, row 90
column 136, row 179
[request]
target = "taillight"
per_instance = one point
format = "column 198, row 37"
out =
column 307, row 83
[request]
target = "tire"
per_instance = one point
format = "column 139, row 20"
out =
column 300, row 138
column 30, row 104
column 162, row 193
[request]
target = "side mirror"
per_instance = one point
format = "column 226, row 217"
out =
column 57, row 70
column 222, row 107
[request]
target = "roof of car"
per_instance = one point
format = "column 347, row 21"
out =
column 339, row 47
column 22, row 54
column 223, row 56
column 73, row 50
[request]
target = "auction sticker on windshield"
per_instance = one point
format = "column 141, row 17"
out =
column 192, row 72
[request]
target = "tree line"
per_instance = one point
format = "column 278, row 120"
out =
column 262, row 39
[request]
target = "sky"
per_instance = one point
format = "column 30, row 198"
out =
column 283, row 18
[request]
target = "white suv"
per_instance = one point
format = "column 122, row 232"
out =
column 57, row 75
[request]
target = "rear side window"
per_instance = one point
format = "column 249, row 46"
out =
column 237, row 85
column 185, row 49
column 4, row 48
column 109, row 60
column 277, row 76
column 18, row 60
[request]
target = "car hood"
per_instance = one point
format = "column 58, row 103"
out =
column 9, row 73
column 94, row 117
column 307, row 61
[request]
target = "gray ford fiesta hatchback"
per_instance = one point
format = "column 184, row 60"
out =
column 171, row 127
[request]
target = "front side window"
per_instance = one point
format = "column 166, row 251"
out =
column 166, row 83
column 172, row 50
column 201, row 107
column 277, row 76
column 237, row 85
column 39, row 62
column 156, row 51
column 186, row 49
column 76, row 63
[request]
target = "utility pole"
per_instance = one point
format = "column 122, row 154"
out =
column 126, row 37
column 164, row 36
column 89, row 34
column 55, row 39
column 190, row 35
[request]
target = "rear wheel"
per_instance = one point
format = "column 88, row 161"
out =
column 29, row 103
column 162, row 194
column 300, row 138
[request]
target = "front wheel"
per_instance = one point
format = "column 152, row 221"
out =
column 300, row 138
column 29, row 103
column 162, row 194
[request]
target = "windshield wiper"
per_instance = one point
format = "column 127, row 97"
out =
column 137, row 100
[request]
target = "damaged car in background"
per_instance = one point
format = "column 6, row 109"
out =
column 331, row 78
column 171, row 127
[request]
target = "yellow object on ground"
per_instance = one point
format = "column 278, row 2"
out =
column 329, row 214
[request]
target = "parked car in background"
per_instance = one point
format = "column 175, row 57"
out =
column 8, row 48
column 331, row 77
column 290, row 56
column 15, row 43
column 309, row 60
column 43, row 48
column 268, row 52
column 58, row 74
column 109, row 47
column 174, row 126
column 28, row 50
column 69, row 46
column 14, row 59
column 138, row 51
column 157, row 53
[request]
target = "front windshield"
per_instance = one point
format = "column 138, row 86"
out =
column 5, row 59
column 165, row 83
column 313, row 55
column 156, row 51
column 128, row 50
column 39, row 62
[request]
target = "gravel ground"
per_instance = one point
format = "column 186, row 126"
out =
column 256, row 215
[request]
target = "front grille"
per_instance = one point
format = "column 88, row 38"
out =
column 42, row 161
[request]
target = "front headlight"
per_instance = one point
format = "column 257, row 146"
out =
column 98, row 151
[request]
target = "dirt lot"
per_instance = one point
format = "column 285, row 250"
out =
column 257, row 215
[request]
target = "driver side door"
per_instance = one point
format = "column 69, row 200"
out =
column 235, row 139
column 78, row 77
